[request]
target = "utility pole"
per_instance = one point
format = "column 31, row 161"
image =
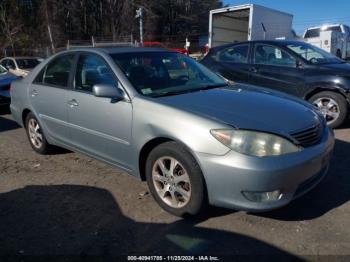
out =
column 139, row 14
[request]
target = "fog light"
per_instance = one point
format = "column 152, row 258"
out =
column 262, row 196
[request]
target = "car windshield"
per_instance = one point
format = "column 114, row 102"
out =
column 165, row 73
column 313, row 54
column 2, row 70
column 27, row 63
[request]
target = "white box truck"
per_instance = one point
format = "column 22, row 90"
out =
column 334, row 39
column 248, row 22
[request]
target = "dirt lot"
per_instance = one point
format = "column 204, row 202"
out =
column 69, row 204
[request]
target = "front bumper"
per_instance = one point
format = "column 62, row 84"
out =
column 293, row 174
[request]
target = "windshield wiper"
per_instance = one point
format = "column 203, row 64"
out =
column 171, row 93
column 211, row 87
column 179, row 92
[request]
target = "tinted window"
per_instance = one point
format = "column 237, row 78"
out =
column 312, row 33
column 4, row 63
column 271, row 55
column 11, row 64
column 39, row 78
column 236, row 54
column 27, row 63
column 333, row 28
column 92, row 70
column 56, row 72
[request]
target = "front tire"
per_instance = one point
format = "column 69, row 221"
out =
column 175, row 180
column 36, row 136
column 333, row 107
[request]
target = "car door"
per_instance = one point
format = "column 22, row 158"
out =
column 48, row 96
column 99, row 126
column 275, row 68
column 232, row 63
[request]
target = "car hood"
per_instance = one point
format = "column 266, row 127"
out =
column 248, row 108
column 341, row 68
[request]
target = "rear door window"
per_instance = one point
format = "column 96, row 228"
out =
column 57, row 72
column 234, row 54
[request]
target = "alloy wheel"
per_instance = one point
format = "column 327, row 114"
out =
column 35, row 135
column 171, row 181
column 328, row 107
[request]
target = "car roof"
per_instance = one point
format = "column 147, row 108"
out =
column 326, row 25
column 21, row 57
column 271, row 42
column 120, row 50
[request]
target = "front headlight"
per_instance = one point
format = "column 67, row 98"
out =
column 254, row 143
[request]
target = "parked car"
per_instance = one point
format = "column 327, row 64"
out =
column 163, row 117
column 294, row 67
column 5, row 82
column 161, row 45
column 20, row 66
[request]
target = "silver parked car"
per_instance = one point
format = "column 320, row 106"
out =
column 164, row 118
column 20, row 66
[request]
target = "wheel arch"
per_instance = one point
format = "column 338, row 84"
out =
column 25, row 113
column 317, row 90
column 149, row 146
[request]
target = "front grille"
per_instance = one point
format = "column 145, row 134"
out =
column 308, row 137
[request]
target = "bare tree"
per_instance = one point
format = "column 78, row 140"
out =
column 51, row 23
column 9, row 26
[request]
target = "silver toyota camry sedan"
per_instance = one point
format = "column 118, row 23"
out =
column 166, row 119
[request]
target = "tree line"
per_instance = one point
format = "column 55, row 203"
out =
column 50, row 23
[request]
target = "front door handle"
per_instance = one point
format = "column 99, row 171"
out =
column 34, row 93
column 253, row 69
column 73, row 103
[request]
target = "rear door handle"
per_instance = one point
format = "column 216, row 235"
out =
column 34, row 93
column 73, row 103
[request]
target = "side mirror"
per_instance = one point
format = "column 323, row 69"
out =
column 108, row 91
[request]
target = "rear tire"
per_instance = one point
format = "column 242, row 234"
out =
column 36, row 136
column 333, row 106
column 175, row 180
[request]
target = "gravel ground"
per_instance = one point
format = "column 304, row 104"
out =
column 70, row 204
